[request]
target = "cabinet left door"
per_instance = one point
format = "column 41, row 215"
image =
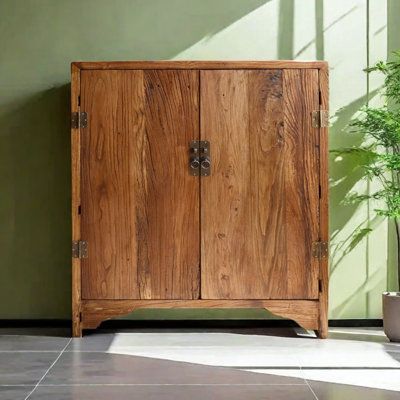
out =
column 139, row 204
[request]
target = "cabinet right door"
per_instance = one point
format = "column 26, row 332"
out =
column 260, row 204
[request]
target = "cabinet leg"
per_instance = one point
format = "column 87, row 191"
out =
column 76, row 326
column 322, row 333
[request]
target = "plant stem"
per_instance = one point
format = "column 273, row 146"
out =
column 397, row 225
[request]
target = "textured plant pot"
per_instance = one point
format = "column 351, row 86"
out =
column 391, row 315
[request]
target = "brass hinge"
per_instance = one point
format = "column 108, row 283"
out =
column 320, row 250
column 79, row 249
column 320, row 118
column 78, row 120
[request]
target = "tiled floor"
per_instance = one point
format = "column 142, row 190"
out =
column 195, row 364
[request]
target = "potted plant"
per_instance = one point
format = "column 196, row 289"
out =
column 381, row 154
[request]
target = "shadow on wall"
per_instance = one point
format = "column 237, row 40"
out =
column 34, row 131
column 347, row 173
column 148, row 29
column 344, row 176
column 36, row 144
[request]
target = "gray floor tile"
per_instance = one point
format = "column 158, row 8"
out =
column 98, row 342
column 105, row 341
column 240, row 350
column 14, row 392
column 214, row 349
column 86, row 368
column 38, row 331
column 24, row 368
column 32, row 343
column 334, row 391
column 387, row 379
column 201, row 392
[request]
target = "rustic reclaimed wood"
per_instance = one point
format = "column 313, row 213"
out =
column 168, row 220
column 142, row 116
column 301, row 178
column 243, row 231
column 279, row 64
column 304, row 312
column 260, row 204
column 139, row 205
column 114, row 103
column 324, row 206
column 75, row 204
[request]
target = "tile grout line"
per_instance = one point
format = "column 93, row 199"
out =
column 28, row 351
column 312, row 391
column 158, row 384
column 48, row 369
column 309, row 386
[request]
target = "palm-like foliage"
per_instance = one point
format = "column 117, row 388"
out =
column 381, row 156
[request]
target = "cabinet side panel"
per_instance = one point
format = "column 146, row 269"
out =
column 324, row 205
column 75, row 203
column 301, row 98
column 242, row 207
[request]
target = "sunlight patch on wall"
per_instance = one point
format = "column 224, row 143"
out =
column 304, row 31
column 358, row 260
column 349, row 34
column 378, row 238
column 253, row 37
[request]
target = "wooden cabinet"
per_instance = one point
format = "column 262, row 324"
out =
column 199, row 184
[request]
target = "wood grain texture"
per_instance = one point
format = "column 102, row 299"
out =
column 243, row 231
column 324, row 206
column 114, row 103
column 260, row 204
column 147, row 102
column 301, row 154
column 139, row 205
column 75, row 203
column 168, row 223
column 276, row 64
column 304, row 312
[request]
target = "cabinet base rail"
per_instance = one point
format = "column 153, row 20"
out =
column 307, row 313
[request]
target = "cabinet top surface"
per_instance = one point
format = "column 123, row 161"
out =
column 278, row 64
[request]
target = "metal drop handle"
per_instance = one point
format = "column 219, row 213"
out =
column 205, row 163
column 195, row 163
column 205, row 158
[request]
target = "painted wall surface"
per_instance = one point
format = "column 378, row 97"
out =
column 40, row 38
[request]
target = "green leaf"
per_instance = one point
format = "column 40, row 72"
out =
column 380, row 159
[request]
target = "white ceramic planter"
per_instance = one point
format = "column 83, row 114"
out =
column 391, row 315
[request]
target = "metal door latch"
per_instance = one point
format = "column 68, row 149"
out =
column 199, row 158
column 205, row 160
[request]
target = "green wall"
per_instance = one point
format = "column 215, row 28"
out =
column 40, row 38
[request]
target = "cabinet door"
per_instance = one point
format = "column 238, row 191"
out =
column 260, row 205
column 139, row 205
